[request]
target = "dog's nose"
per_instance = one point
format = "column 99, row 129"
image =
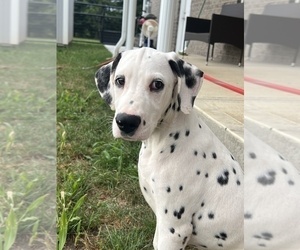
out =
column 128, row 123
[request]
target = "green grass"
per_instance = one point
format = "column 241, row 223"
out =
column 27, row 146
column 100, row 205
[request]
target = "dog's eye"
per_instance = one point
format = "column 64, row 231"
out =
column 156, row 86
column 120, row 82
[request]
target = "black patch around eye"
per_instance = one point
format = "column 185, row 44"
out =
column 102, row 76
column 116, row 62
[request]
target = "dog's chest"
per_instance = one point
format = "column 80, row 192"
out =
column 184, row 162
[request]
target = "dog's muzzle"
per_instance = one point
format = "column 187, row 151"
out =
column 128, row 124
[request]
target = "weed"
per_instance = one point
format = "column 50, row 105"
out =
column 67, row 216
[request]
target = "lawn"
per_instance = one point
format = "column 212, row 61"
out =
column 99, row 203
column 27, row 146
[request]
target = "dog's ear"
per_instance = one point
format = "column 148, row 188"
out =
column 103, row 79
column 190, row 80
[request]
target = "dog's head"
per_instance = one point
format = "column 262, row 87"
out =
column 144, row 87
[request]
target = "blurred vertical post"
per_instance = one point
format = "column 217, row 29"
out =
column 27, row 124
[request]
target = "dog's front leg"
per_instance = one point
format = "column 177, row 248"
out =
column 168, row 237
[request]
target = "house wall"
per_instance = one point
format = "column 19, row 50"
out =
column 225, row 52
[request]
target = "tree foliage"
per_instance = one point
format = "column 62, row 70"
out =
column 92, row 18
column 95, row 18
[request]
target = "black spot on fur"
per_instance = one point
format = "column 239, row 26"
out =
column 145, row 189
column 198, row 172
column 187, row 133
column 284, row 171
column 265, row 235
column 195, row 152
column 202, row 204
column 200, row 217
column 248, row 216
column 204, row 155
column 223, row 236
column 116, row 62
column 267, row 179
column 180, row 188
column 262, row 245
column 223, row 179
column 281, row 157
column 184, row 240
column 291, row 182
column 144, row 122
column 252, row 155
column 176, row 136
column 238, row 182
column 199, row 125
column 211, row 216
column 172, row 230
column 206, row 175
column 179, row 213
column 166, row 211
column 167, row 110
column 232, row 157
column 172, row 148
column 214, row 155
column 168, row 189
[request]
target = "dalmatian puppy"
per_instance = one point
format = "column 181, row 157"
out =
column 272, row 198
column 187, row 176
